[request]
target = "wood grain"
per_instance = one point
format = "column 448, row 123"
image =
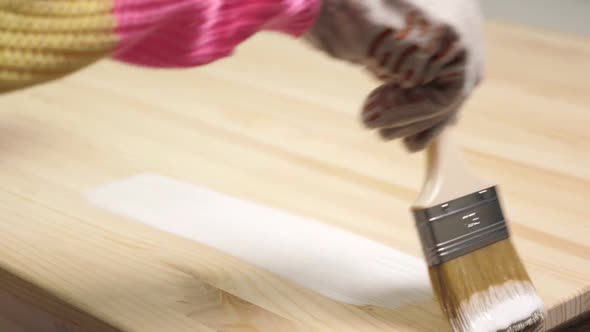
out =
column 269, row 130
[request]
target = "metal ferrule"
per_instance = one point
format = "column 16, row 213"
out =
column 461, row 226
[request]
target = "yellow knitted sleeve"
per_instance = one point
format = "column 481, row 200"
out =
column 43, row 40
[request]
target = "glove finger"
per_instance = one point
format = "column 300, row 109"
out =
column 451, row 78
column 390, row 106
column 411, row 129
column 413, row 69
column 411, row 65
column 445, row 49
column 422, row 139
column 385, row 58
column 397, row 55
column 379, row 55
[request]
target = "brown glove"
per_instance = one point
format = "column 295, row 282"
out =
column 428, row 53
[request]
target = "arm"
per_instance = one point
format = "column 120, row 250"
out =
column 44, row 40
column 429, row 53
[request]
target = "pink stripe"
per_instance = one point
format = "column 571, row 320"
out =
column 186, row 33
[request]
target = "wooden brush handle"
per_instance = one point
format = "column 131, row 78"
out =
column 448, row 175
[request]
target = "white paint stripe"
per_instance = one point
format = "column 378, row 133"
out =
column 333, row 262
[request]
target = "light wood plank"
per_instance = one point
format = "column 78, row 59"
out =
column 271, row 131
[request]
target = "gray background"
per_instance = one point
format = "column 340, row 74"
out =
column 570, row 16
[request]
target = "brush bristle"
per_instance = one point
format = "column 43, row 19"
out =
column 488, row 290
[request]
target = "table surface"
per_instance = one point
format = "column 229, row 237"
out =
column 269, row 130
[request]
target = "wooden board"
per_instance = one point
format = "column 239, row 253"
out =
column 277, row 125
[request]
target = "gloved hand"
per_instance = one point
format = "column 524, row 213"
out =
column 428, row 54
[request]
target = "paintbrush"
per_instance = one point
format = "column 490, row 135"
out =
column 475, row 271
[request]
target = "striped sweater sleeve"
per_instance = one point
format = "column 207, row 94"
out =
column 43, row 40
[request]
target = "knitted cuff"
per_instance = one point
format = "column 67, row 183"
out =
column 186, row 33
column 41, row 41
